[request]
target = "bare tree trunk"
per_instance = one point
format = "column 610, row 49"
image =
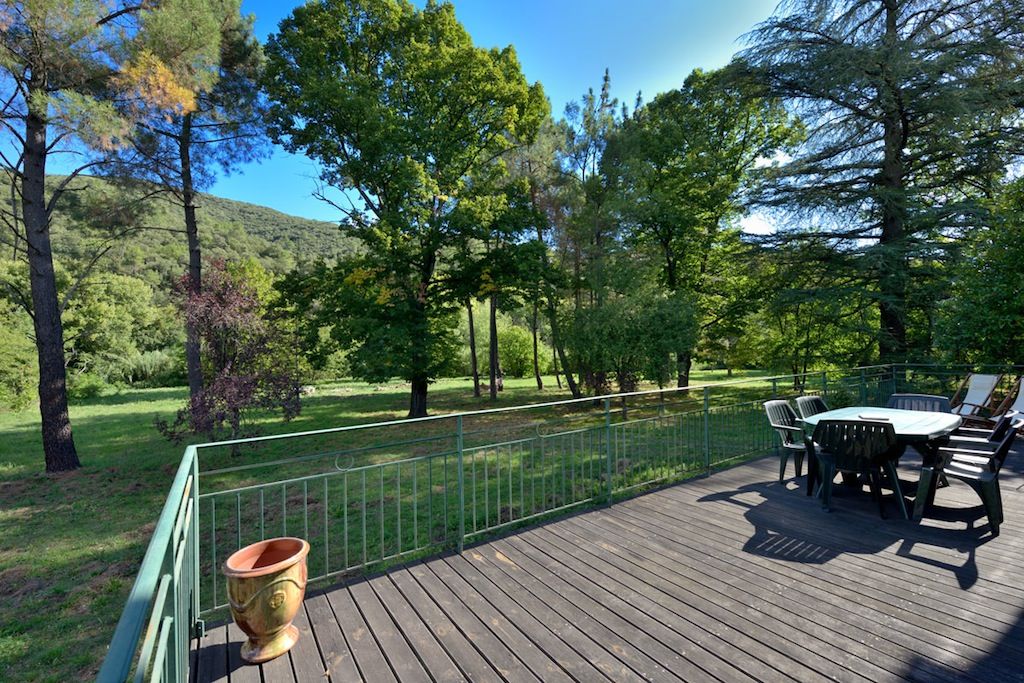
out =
column 536, row 360
column 418, row 397
column 58, row 443
column 684, row 362
column 493, row 355
column 472, row 350
column 193, row 359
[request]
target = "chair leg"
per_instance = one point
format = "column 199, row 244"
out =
column 798, row 462
column 783, row 459
column 991, row 499
column 894, row 479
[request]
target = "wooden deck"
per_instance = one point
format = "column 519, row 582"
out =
column 728, row 578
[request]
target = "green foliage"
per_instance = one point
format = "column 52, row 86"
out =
column 913, row 114
column 366, row 314
column 18, row 374
column 983, row 320
column 398, row 105
column 515, row 351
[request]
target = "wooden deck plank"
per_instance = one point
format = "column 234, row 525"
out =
column 498, row 654
column 667, row 647
column 857, row 589
column 392, row 643
column 810, row 624
column 433, row 656
column 240, row 671
column 307, row 661
column 755, row 633
column 741, row 658
column 334, row 650
column 455, row 643
column 533, row 628
column 369, row 658
column 729, row 577
column 598, row 623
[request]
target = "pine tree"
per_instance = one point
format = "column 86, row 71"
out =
column 76, row 76
column 912, row 111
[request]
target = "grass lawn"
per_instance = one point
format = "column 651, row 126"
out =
column 70, row 544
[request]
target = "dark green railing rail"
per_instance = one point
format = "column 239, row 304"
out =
column 368, row 495
column 151, row 641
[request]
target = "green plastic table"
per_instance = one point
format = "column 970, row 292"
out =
column 924, row 431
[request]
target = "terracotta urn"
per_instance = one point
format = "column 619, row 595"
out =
column 266, row 585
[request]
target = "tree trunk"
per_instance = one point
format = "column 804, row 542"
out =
column 58, row 443
column 472, row 350
column 536, row 360
column 493, row 355
column 554, row 368
column 684, row 361
column 193, row 359
column 418, row 397
column 892, row 283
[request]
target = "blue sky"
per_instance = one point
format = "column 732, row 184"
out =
column 648, row 45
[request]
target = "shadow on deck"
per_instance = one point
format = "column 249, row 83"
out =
column 734, row 577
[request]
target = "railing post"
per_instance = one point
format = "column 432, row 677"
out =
column 197, row 626
column 824, row 384
column 462, row 483
column 707, row 429
column 775, row 388
column 608, row 447
column 863, row 388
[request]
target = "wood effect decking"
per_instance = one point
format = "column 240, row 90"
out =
column 732, row 577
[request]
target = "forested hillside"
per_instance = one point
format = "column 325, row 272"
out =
column 119, row 247
column 155, row 248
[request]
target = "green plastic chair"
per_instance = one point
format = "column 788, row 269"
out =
column 859, row 447
column 810, row 405
column 923, row 402
column 784, row 421
column 979, row 469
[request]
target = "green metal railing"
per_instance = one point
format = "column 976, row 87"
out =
column 369, row 495
column 152, row 638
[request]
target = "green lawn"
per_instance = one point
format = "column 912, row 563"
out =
column 70, row 544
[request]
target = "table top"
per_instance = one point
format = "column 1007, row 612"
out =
column 909, row 425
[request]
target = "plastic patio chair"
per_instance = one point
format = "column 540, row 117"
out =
column 857, row 446
column 784, row 421
column 979, row 469
column 810, row 405
column 974, row 394
column 922, row 402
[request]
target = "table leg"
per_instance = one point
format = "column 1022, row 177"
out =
column 925, row 491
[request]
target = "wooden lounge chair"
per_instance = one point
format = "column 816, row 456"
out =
column 974, row 395
column 1012, row 406
column 922, row 402
column 811, row 405
column 860, row 447
column 784, row 421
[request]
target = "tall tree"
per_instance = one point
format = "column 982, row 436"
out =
column 221, row 132
column 399, row 107
column 74, row 78
column 912, row 109
column 680, row 167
